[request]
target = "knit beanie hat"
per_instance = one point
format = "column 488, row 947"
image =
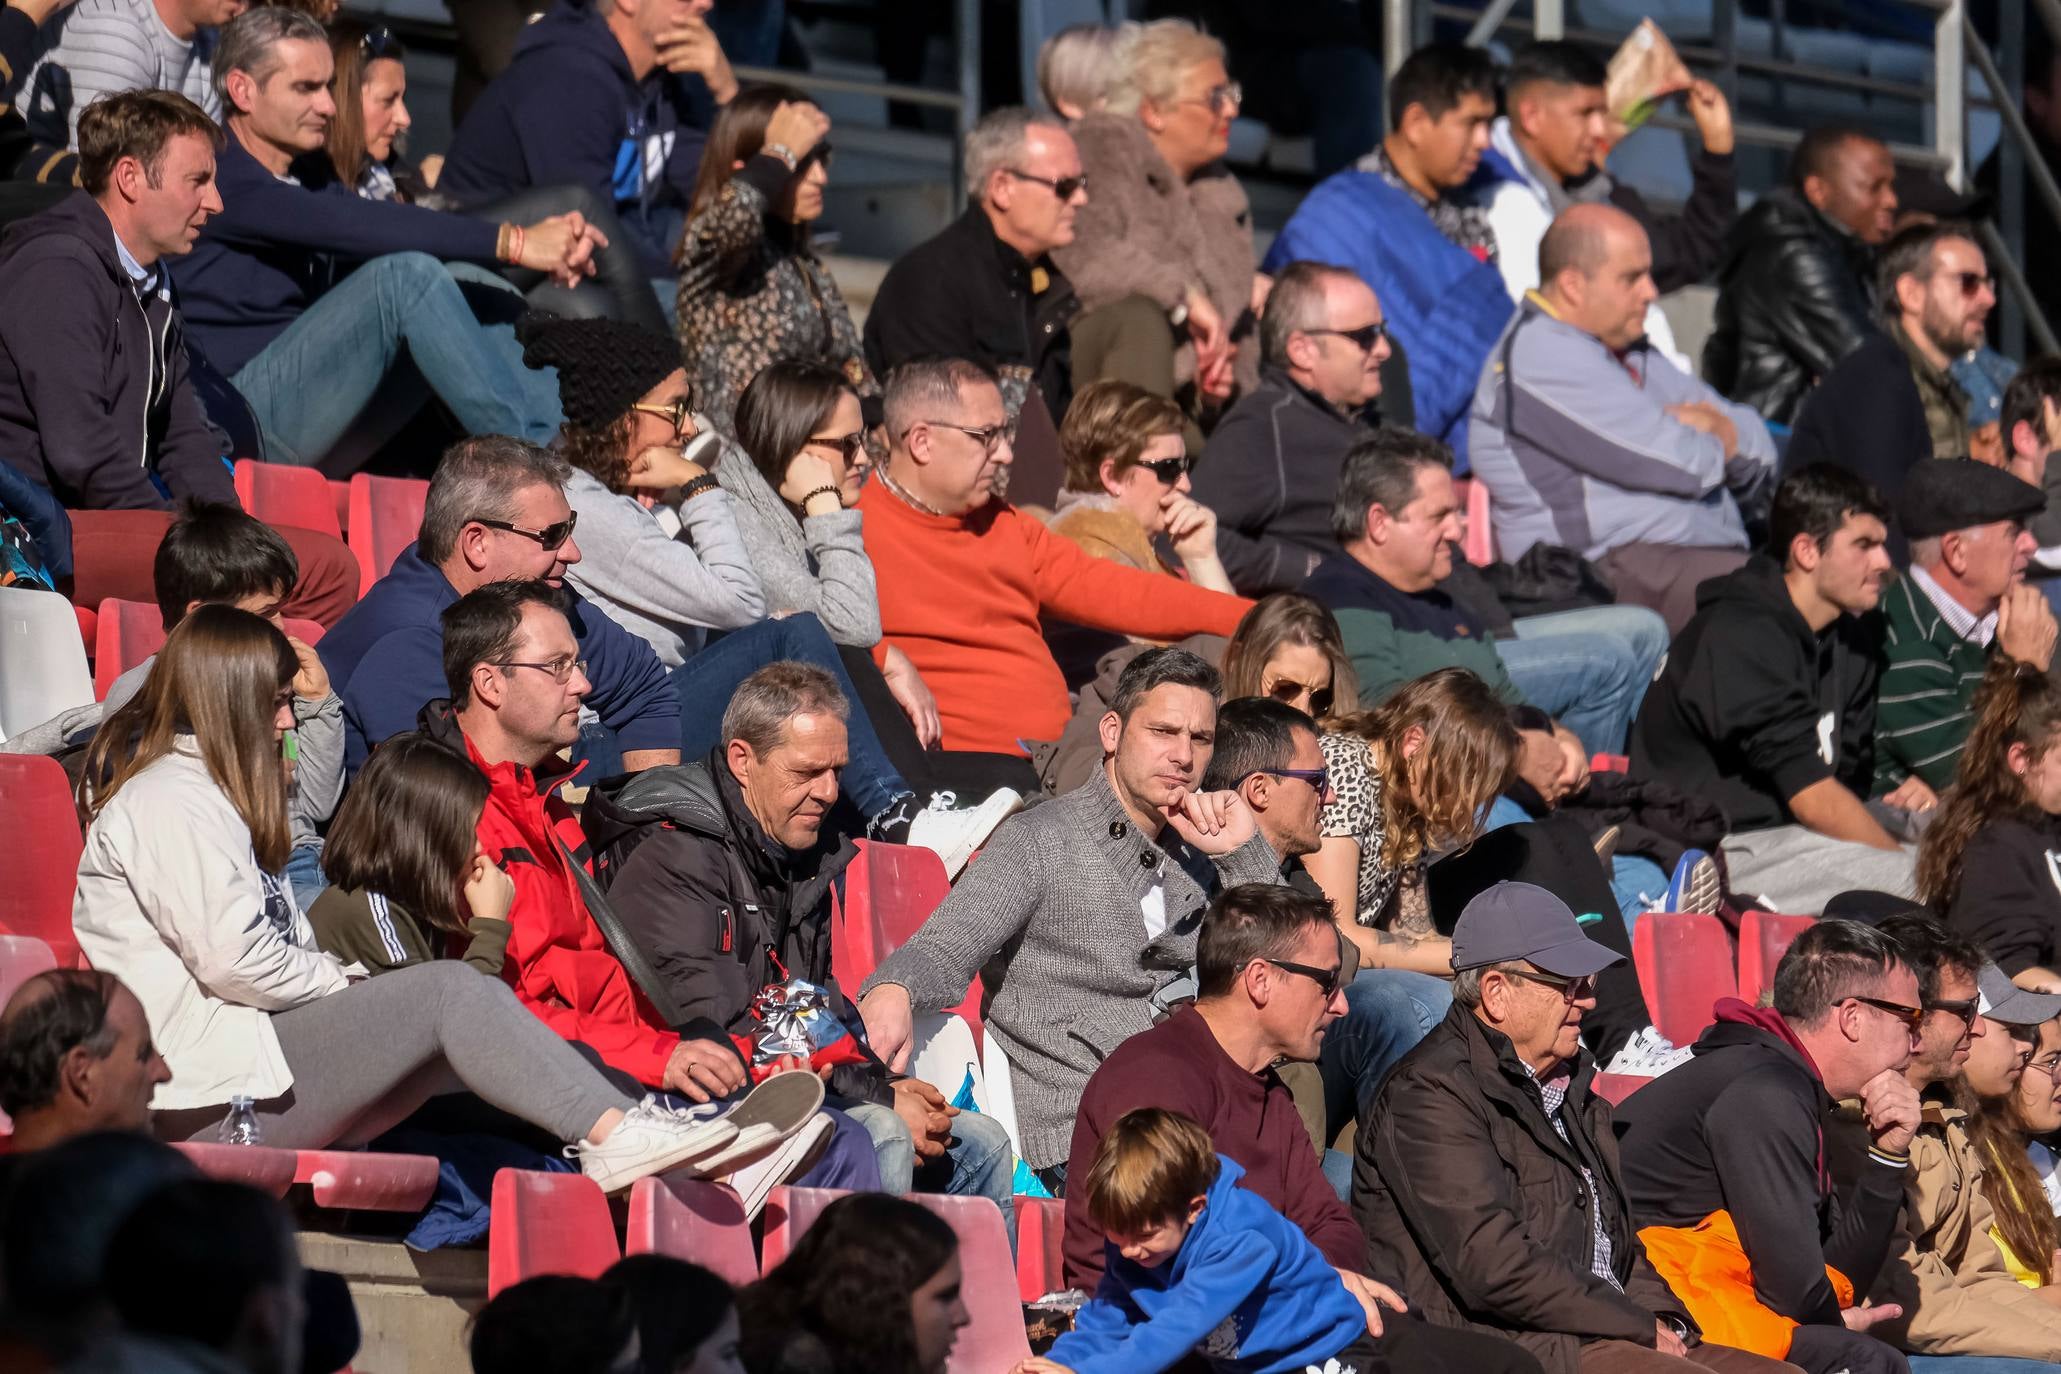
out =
column 603, row 367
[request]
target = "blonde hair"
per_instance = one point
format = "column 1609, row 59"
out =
column 1077, row 66
column 1149, row 1166
column 1151, row 59
column 1434, row 800
column 1112, row 420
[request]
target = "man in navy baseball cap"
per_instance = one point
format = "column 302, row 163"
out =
column 1525, row 969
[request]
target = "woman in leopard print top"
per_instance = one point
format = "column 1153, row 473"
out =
column 752, row 290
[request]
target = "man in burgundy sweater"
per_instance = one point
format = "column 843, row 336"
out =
column 1271, row 971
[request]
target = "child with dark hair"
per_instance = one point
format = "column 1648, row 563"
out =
column 1196, row 1264
column 686, row 1315
column 560, row 1323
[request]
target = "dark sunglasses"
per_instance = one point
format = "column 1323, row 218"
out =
column 1064, row 187
column 821, row 154
column 1318, row 778
column 1573, row 989
column 379, row 43
column 1329, row 979
column 1972, row 284
column 850, row 445
column 1288, row 689
column 1364, row 338
column 1912, row 1017
column 551, row 537
column 1169, row 470
column 1965, row 1010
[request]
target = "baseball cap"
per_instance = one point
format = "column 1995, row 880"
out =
column 2003, row 1000
column 1512, row 921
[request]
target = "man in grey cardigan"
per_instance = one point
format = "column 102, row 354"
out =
column 1099, row 894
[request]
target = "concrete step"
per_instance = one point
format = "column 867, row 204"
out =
column 413, row 1307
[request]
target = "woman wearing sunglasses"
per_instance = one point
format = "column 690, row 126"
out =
column 752, row 290
column 1127, row 483
column 2021, row 1181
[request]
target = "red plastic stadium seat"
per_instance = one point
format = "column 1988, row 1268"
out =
column 386, row 512
column 340, row 502
column 996, row 1339
column 547, row 1224
column 260, row 1166
column 692, row 1220
column 1616, row 1087
column 1040, row 1253
column 789, row 1212
column 889, row 892
column 1763, row 939
column 22, row 957
column 281, row 495
column 1479, row 545
column 39, row 863
column 1685, row 966
column 1610, row 763
column 365, row 1181
column 130, row 631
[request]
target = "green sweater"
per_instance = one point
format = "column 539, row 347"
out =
column 1393, row 637
column 1929, row 676
column 383, row 935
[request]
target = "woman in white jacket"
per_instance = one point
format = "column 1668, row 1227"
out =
column 180, row 896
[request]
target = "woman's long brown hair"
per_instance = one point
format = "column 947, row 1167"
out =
column 217, row 678
column 2015, row 704
column 408, row 829
column 1288, row 618
column 1999, row 1134
column 1435, row 799
column 739, row 134
column 346, row 142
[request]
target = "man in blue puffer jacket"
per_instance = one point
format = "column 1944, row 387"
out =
column 1411, row 220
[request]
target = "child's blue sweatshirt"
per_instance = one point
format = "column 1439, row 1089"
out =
column 1247, row 1291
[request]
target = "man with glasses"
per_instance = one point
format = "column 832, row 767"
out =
column 496, row 512
column 1725, row 1159
column 986, row 288
column 964, row 577
column 1947, row 1275
column 1271, row 972
column 1486, row 1173
column 1592, row 439
column 1892, row 401
column 1271, row 465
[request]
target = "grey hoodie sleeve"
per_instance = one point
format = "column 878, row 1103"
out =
column 318, row 771
column 703, row 577
column 840, row 589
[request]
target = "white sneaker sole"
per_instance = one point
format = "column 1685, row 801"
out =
column 792, row 1158
column 699, row 1143
column 1000, row 806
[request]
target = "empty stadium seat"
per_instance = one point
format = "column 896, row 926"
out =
column 689, row 1219
column 547, row 1224
column 1685, row 965
column 281, row 495
column 1764, row 938
column 366, row 1180
column 1614, row 1087
column 889, row 892
column 22, row 957
column 42, row 659
column 385, row 514
column 257, row 1166
column 1479, row 543
column 128, row 632
column 790, row 1211
column 39, row 864
column 340, row 502
column 1040, row 1242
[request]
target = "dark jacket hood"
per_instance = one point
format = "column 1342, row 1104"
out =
column 569, row 28
column 77, row 217
column 1731, row 1011
column 1757, row 584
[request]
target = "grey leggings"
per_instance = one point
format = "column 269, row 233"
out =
column 366, row 1058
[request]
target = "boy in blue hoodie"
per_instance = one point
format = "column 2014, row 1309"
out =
column 1194, row 1264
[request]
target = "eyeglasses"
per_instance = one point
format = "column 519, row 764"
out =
column 561, row 669
column 2047, row 1064
column 1573, row 989
column 551, row 536
column 1912, row 1017
column 1328, row 979
column 379, row 43
column 1965, row 1010
column 1063, row 187
column 1168, row 470
column 989, row 438
column 1318, row 778
column 1364, row 338
column 678, row 411
column 1974, row 284
column 851, row 445
column 820, row 155
column 1230, row 96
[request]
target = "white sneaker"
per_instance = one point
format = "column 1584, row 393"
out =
column 650, row 1139
column 1649, row 1054
column 955, row 833
column 791, row 1158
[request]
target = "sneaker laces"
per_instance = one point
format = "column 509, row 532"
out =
column 1648, row 1054
column 943, row 801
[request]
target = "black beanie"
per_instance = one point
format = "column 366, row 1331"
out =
column 604, row 368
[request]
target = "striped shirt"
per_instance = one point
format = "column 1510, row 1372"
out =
column 1602, row 1256
column 1935, row 651
column 100, row 47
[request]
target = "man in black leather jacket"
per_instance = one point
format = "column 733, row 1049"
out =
column 1796, row 290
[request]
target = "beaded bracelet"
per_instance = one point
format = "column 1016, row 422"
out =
column 808, row 496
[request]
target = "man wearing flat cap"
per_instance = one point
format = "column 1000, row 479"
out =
column 1487, row 1174
column 1964, row 601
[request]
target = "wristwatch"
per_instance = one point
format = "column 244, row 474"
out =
column 784, row 153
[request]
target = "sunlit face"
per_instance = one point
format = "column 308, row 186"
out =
column 1544, row 1022
column 1162, row 751
column 1024, row 199
column 1152, row 1248
column 1993, row 558
column 1616, row 296
column 1299, row 1009
column 653, row 422
column 960, row 471
column 535, row 706
column 792, row 786
column 938, row 1311
column 2038, row 1094
column 1140, row 490
column 1858, row 191
column 1945, row 1038
column 1998, row 1058
column 1449, row 148
column 1563, row 126
column 1416, row 542
column 383, row 97
column 1956, row 298
column 834, row 438
column 120, row 1083
column 512, row 555
column 1296, row 805
column 1300, row 675
column 1195, row 127
column 1340, row 369
column 1854, row 565
column 292, row 108
column 804, row 197
column 174, row 199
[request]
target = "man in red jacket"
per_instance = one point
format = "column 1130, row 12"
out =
column 1271, row 971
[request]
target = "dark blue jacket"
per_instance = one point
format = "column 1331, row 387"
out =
column 386, row 661
column 278, row 246
column 1447, row 306
column 569, row 112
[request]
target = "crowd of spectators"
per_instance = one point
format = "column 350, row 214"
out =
column 1310, row 853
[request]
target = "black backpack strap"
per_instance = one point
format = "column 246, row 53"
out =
column 625, row 949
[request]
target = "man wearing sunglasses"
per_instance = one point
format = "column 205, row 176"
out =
column 1271, row 465
column 1592, row 439
column 1892, row 402
column 1725, row 1155
column 1271, row 974
column 986, row 287
column 1946, row 1273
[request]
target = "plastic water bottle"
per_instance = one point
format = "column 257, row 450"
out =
column 240, row 1127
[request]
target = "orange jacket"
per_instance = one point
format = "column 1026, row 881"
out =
column 1707, row 1268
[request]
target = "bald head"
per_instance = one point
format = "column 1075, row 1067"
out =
column 1596, row 270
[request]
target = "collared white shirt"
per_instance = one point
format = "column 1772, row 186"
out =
column 1959, row 618
column 149, row 280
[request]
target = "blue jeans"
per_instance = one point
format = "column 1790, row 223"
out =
column 1590, row 669
column 304, row 873
column 1387, row 1011
column 847, row 1162
column 980, row 1161
column 707, row 681
column 1973, row 1364
column 309, row 384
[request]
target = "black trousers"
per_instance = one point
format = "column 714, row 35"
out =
column 971, row 775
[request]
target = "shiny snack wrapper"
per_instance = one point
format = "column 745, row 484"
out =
column 794, row 1018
